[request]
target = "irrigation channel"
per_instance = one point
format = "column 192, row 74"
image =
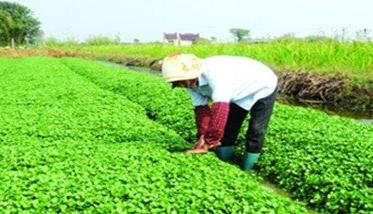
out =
column 282, row 98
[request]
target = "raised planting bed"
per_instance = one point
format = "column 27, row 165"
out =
column 69, row 146
column 323, row 160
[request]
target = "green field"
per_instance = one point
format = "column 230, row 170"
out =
column 89, row 125
column 77, row 136
column 322, row 160
column 351, row 59
column 68, row 145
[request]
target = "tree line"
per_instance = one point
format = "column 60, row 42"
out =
column 17, row 25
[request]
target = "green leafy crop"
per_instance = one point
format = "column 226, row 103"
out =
column 171, row 108
column 69, row 146
column 46, row 100
column 323, row 160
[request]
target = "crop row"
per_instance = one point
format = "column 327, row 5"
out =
column 169, row 107
column 68, row 146
column 321, row 159
column 46, row 100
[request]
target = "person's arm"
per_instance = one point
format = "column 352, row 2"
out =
column 218, row 119
column 212, row 129
column 219, row 114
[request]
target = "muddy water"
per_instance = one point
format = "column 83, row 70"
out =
column 362, row 118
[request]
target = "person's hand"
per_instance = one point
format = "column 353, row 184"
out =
column 199, row 147
column 202, row 147
column 199, row 150
column 213, row 145
column 201, row 141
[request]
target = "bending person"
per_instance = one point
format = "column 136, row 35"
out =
column 235, row 87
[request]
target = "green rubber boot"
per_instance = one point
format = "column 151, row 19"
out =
column 249, row 160
column 225, row 153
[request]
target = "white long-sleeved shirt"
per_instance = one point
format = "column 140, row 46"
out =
column 238, row 80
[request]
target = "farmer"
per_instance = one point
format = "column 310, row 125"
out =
column 234, row 86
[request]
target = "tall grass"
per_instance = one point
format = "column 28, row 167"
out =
column 352, row 59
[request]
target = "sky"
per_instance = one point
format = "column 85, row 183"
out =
column 147, row 20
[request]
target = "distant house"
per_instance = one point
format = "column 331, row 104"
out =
column 188, row 38
column 180, row 38
column 172, row 38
